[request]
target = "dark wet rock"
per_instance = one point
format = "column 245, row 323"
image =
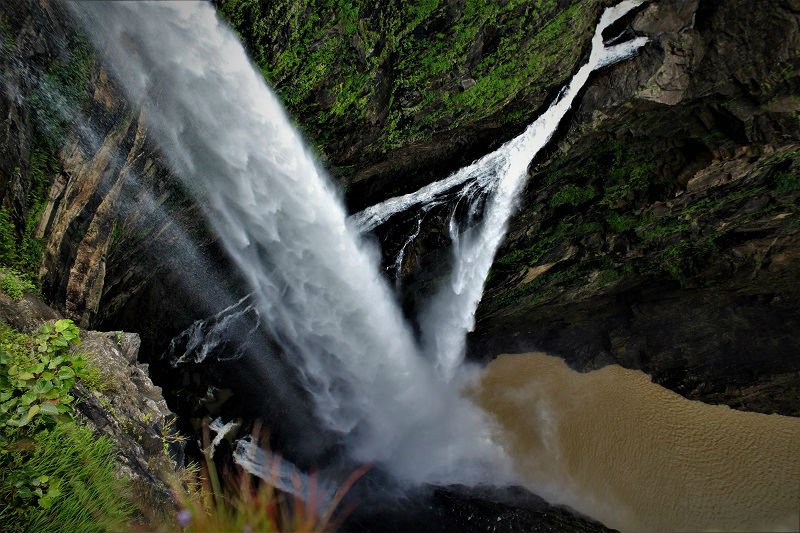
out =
column 693, row 149
column 477, row 509
column 27, row 314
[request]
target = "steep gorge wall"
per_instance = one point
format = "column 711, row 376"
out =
column 378, row 89
column 662, row 231
column 89, row 206
column 659, row 232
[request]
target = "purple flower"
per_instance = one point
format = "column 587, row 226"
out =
column 184, row 517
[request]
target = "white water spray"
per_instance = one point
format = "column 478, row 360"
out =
column 316, row 287
column 500, row 174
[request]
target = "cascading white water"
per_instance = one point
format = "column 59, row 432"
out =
column 500, row 174
column 316, row 286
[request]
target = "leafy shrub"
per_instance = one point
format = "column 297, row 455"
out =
column 35, row 384
column 55, row 475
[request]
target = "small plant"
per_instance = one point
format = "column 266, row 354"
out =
column 15, row 284
column 210, row 503
column 95, row 379
column 64, row 479
column 35, row 384
column 620, row 222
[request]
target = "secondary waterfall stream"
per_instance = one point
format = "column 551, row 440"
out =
column 316, row 285
column 500, row 175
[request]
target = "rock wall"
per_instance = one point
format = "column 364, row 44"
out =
column 113, row 231
column 661, row 231
column 116, row 240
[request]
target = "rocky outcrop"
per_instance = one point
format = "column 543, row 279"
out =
column 121, row 403
column 662, row 231
column 129, row 409
column 470, row 510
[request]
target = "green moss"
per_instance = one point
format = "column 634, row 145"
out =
column 620, row 222
column 589, row 227
column 608, row 277
column 787, row 182
column 332, row 61
column 662, row 229
column 573, row 195
column 62, row 91
column 532, row 255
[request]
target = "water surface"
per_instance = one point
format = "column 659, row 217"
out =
column 639, row 457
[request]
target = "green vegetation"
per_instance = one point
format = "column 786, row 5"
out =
column 67, row 481
column 58, row 475
column 55, row 475
column 338, row 63
column 619, row 222
column 15, row 284
column 60, row 94
column 63, row 92
column 212, row 503
column 36, row 377
column 786, row 182
column 572, row 195
column 625, row 229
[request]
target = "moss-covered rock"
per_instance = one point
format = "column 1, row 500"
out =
column 395, row 94
column 684, row 261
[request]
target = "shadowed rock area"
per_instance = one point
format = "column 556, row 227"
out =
column 661, row 232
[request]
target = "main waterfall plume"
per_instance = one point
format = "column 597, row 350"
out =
column 316, row 285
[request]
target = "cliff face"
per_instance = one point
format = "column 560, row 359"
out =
column 396, row 94
column 89, row 206
column 662, row 231
column 92, row 210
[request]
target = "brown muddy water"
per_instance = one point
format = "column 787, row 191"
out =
column 613, row 445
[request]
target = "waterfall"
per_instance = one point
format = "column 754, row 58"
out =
column 501, row 175
column 317, row 287
column 313, row 281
